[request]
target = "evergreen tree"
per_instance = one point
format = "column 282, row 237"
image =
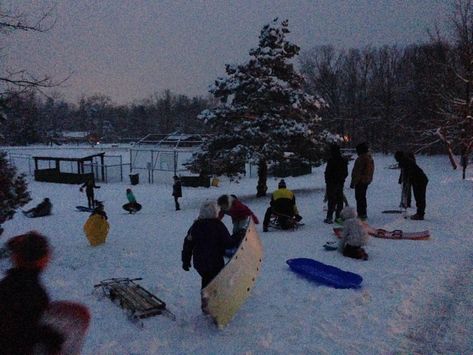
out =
column 264, row 116
column 13, row 190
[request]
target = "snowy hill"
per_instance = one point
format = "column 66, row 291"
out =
column 416, row 295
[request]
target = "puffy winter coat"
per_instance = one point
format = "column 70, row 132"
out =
column 205, row 243
column 363, row 170
column 22, row 303
column 336, row 170
column 130, row 197
column 283, row 201
column 354, row 232
column 238, row 211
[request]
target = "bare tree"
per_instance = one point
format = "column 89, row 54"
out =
column 19, row 79
column 455, row 86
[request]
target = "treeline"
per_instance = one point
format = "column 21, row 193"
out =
column 395, row 98
column 34, row 118
column 389, row 96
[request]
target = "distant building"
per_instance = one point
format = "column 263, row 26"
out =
column 75, row 137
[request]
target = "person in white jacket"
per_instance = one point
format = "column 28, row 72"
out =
column 354, row 235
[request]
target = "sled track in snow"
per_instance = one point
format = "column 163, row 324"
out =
column 445, row 326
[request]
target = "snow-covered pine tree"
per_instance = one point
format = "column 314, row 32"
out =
column 13, row 190
column 264, row 116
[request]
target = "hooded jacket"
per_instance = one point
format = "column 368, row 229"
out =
column 207, row 240
column 354, row 232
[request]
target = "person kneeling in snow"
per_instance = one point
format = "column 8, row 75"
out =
column 354, row 235
column 206, row 242
column 23, row 299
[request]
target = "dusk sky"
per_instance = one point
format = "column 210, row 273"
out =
column 129, row 50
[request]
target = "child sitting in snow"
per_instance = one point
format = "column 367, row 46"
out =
column 132, row 206
column 354, row 235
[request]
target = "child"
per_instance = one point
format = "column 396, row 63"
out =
column 177, row 191
column 100, row 210
column 239, row 212
column 206, row 242
column 89, row 191
column 132, row 206
column 354, row 235
column 24, row 300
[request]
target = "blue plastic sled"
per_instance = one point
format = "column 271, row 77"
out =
column 325, row 274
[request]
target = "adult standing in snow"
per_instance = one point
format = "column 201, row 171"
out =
column 283, row 204
column 177, row 191
column 361, row 177
column 406, row 188
column 418, row 180
column 23, row 299
column 206, row 242
column 89, row 191
column 336, row 172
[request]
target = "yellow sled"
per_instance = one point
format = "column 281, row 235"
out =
column 96, row 229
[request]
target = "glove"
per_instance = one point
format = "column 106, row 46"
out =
column 186, row 267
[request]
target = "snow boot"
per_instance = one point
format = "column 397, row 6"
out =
column 417, row 217
column 328, row 221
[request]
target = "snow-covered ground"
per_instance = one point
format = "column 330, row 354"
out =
column 416, row 295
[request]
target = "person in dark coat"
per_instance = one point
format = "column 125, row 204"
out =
column 206, row 242
column 89, row 191
column 42, row 209
column 23, row 299
column 177, row 191
column 336, row 172
column 361, row 177
column 418, row 180
column 406, row 186
column 100, row 210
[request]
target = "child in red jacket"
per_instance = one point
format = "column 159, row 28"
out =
column 240, row 213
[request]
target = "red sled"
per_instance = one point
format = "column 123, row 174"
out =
column 72, row 321
column 395, row 234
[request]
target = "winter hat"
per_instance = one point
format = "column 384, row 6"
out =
column 30, row 250
column 208, row 209
column 225, row 202
column 399, row 155
column 348, row 213
column 282, row 184
column 362, row 148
